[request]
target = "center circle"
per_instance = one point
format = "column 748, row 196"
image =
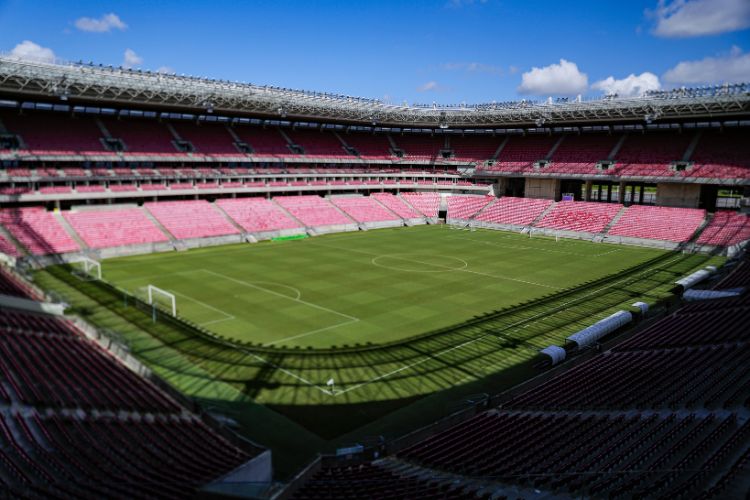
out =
column 419, row 263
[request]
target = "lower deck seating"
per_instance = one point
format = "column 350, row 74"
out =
column 659, row 223
column 8, row 248
column 80, row 424
column 427, row 203
column 369, row 481
column 10, row 285
column 191, row 219
column 38, row 230
column 257, row 214
column 313, row 211
column 515, row 211
column 580, row 216
column 465, row 207
column 396, row 205
column 726, row 228
column 112, row 228
column 364, row 209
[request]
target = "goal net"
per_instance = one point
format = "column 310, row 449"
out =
column 162, row 299
column 87, row 269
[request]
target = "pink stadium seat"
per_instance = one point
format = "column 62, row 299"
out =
column 55, row 189
column 427, row 203
column 38, row 230
column 8, row 248
column 312, row 211
column 722, row 155
column 113, row 228
column 374, row 147
column 93, row 188
column 317, row 143
column 120, row 188
column 191, row 219
column 474, row 148
column 419, row 147
column 659, row 223
column 268, row 142
column 364, row 209
column 726, row 228
column 55, row 133
column 142, row 136
column 580, row 216
column 519, row 153
column 207, row 138
column 396, row 205
column 516, row 211
column 579, row 154
column 257, row 214
column 466, row 206
column 650, row 154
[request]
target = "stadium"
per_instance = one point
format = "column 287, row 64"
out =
column 221, row 289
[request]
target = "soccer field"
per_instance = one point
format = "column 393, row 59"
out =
column 403, row 320
column 365, row 288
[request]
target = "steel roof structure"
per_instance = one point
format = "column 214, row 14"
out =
column 116, row 87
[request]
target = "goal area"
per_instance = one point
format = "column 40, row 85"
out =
column 87, row 269
column 162, row 299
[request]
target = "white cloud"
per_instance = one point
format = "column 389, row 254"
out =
column 562, row 79
column 131, row 59
column 472, row 67
column 731, row 68
column 430, row 86
column 31, row 51
column 691, row 18
column 104, row 24
column 165, row 69
column 631, row 85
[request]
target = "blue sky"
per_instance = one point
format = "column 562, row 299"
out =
column 449, row 51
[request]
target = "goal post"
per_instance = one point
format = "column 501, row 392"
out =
column 157, row 297
column 87, row 269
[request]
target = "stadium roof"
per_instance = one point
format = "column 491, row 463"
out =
column 117, row 87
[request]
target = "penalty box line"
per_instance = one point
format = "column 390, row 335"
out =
column 349, row 319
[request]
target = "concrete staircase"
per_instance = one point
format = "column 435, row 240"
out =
column 691, row 147
column 69, row 229
column 701, row 228
column 158, row 224
column 229, row 219
column 288, row 214
column 500, row 148
column 394, row 146
column 616, row 149
column 554, row 148
column 614, row 220
column 103, row 128
column 543, row 214
column 13, row 241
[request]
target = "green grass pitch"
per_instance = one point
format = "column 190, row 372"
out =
column 348, row 289
column 406, row 321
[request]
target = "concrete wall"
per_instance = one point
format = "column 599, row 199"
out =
column 548, row 189
column 678, row 195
